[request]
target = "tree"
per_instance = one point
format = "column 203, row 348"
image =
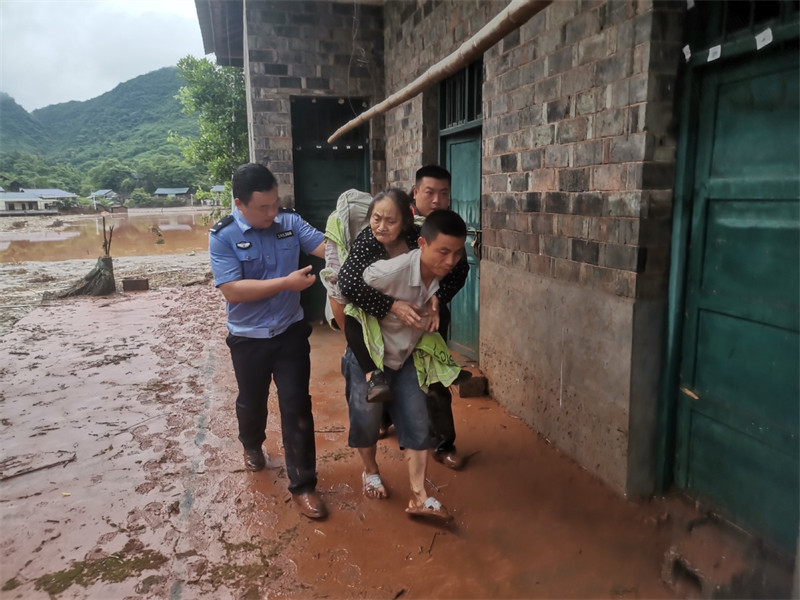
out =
column 109, row 174
column 139, row 197
column 217, row 95
column 36, row 171
column 151, row 172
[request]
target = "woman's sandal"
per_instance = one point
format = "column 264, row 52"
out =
column 432, row 509
column 373, row 486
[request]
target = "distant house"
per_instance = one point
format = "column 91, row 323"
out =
column 23, row 201
column 179, row 193
column 217, row 191
column 109, row 195
column 33, row 199
column 50, row 195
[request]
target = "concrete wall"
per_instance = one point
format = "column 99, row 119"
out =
column 564, row 367
column 320, row 48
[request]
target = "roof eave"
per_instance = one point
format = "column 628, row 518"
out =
column 222, row 29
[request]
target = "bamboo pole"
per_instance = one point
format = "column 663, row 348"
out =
column 509, row 19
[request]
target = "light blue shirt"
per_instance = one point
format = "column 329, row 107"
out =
column 238, row 251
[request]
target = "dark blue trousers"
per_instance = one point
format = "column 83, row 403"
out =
column 286, row 358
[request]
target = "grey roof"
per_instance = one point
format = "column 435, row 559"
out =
column 170, row 191
column 50, row 193
column 102, row 193
column 10, row 196
column 218, row 188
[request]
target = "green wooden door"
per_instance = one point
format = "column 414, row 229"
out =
column 737, row 409
column 322, row 171
column 463, row 160
column 320, row 176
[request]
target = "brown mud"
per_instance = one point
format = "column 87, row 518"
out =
column 122, row 478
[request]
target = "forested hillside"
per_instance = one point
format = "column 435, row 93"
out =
column 125, row 130
column 18, row 129
column 133, row 119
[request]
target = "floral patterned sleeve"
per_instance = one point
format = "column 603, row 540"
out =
column 364, row 251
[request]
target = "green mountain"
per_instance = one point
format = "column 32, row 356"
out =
column 131, row 121
column 18, row 129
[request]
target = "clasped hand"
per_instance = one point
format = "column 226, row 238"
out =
column 426, row 318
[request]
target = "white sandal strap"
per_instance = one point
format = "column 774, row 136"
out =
column 433, row 503
column 373, row 481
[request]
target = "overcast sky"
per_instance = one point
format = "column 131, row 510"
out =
column 54, row 51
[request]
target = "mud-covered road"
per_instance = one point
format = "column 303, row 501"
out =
column 122, row 478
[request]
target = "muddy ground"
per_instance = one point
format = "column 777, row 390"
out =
column 122, row 478
column 23, row 284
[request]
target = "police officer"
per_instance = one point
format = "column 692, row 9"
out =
column 254, row 257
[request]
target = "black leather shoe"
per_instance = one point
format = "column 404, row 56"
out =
column 311, row 505
column 254, row 459
column 377, row 388
column 451, row 460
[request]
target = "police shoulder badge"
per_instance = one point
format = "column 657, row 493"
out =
column 243, row 245
column 221, row 224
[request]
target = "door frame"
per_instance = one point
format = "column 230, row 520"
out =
column 686, row 154
column 473, row 131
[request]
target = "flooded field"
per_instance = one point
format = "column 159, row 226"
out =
column 133, row 235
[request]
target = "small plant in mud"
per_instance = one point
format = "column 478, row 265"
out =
column 11, row 584
column 128, row 562
column 335, row 455
column 230, row 573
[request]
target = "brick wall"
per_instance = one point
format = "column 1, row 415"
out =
column 304, row 48
column 578, row 146
column 578, row 166
column 578, row 163
column 418, row 34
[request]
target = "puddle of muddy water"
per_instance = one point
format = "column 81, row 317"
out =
column 134, row 235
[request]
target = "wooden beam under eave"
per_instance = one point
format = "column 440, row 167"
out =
column 510, row 18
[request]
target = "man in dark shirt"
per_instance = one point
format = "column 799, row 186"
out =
column 432, row 192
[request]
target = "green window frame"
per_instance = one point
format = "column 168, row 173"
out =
column 461, row 99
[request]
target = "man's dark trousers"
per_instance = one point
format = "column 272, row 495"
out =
column 286, row 357
column 440, row 409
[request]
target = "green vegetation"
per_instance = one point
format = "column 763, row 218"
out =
column 217, row 95
column 11, row 584
column 139, row 136
column 128, row 562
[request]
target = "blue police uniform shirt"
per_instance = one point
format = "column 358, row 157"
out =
column 238, row 251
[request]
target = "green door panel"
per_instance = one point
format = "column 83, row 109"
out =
column 749, row 106
column 320, row 176
column 463, row 160
column 755, row 480
column 738, row 410
column 732, row 374
column 749, row 245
